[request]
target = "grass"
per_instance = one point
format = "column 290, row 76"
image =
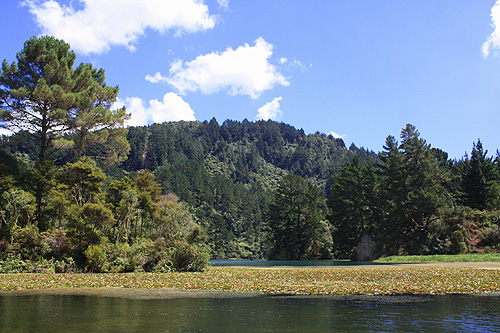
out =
column 474, row 257
column 281, row 281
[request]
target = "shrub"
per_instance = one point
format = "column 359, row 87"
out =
column 27, row 242
column 13, row 264
column 55, row 244
column 96, row 258
column 186, row 257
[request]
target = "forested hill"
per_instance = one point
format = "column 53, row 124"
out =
column 227, row 172
column 246, row 152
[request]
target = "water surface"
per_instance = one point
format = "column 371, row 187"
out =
column 449, row 313
column 290, row 263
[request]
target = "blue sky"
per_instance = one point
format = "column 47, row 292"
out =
column 359, row 69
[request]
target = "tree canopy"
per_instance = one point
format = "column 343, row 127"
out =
column 43, row 96
column 294, row 221
column 53, row 106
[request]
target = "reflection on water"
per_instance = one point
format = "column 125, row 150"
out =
column 452, row 313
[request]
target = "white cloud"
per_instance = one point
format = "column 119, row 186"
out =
column 336, row 136
column 223, row 4
column 172, row 108
column 293, row 64
column 155, row 78
column 101, row 24
column 244, row 71
column 493, row 41
column 270, row 110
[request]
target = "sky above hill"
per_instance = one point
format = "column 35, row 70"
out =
column 357, row 69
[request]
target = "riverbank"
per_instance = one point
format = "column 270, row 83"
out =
column 464, row 257
column 395, row 279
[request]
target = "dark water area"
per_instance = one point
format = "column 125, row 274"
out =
column 448, row 313
column 289, row 263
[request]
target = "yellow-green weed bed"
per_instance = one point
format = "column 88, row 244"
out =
column 295, row 281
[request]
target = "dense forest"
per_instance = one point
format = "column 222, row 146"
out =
column 79, row 192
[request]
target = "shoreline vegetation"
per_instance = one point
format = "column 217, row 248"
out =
column 468, row 257
column 227, row 282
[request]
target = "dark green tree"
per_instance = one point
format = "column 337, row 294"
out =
column 353, row 207
column 414, row 192
column 81, row 181
column 43, row 96
column 294, row 219
column 479, row 177
column 54, row 106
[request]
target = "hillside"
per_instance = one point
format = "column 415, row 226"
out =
column 246, row 152
column 227, row 172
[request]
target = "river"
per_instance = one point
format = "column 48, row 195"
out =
column 445, row 313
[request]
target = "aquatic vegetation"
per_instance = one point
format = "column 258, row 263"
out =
column 287, row 281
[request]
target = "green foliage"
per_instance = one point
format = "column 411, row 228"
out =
column 44, row 96
column 18, row 208
column 413, row 193
column 294, row 220
column 27, row 243
column 196, row 236
column 82, row 180
column 354, row 206
column 96, row 258
column 52, row 106
column 174, row 221
column 470, row 257
column 480, row 179
column 409, row 206
column 187, row 257
column 81, row 232
column 14, row 264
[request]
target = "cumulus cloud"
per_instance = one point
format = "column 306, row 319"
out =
column 336, row 136
column 493, row 41
column 171, row 108
column 270, row 110
column 244, row 71
column 99, row 24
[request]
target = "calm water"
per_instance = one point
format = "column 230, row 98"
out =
column 452, row 313
column 288, row 263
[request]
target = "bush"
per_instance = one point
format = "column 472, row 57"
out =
column 55, row 244
column 186, row 257
column 13, row 264
column 96, row 258
column 124, row 258
column 28, row 243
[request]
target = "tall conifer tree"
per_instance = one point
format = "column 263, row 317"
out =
column 43, row 97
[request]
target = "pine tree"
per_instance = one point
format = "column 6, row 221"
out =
column 478, row 178
column 44, row 99
column 353, row 206
column 415, row 194
column 294, row 219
